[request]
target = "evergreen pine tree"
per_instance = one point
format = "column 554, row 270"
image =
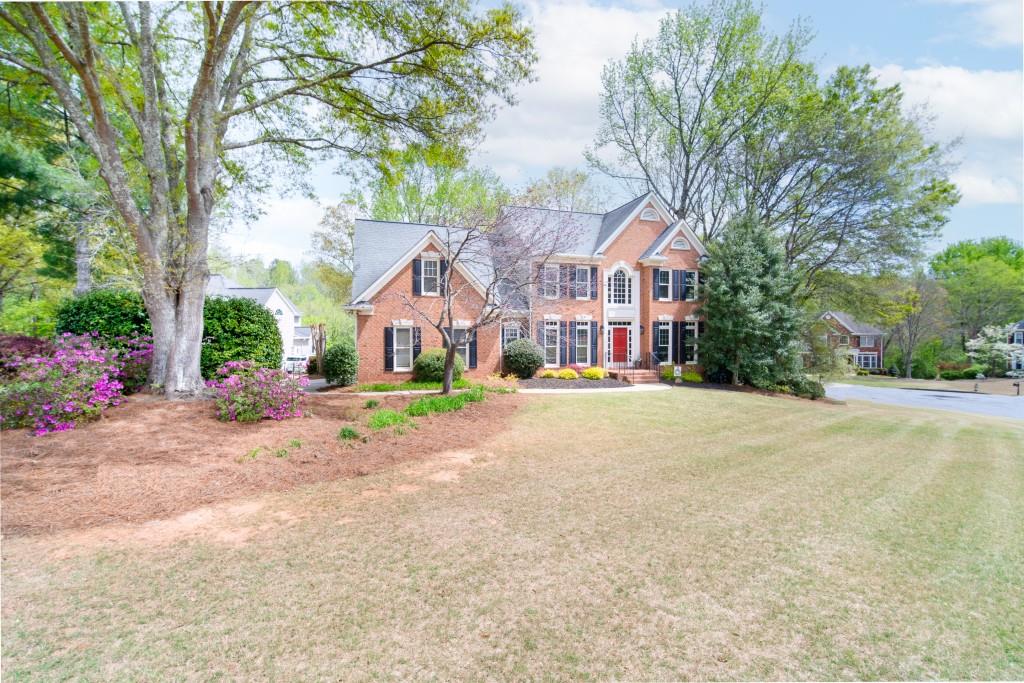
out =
column 752, row 318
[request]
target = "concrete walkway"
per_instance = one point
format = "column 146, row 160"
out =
column 607, row 390
column 960, row 402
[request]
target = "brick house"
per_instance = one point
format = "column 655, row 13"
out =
column 861, row 341
column 623, row 295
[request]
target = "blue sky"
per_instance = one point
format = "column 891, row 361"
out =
column 960, row 58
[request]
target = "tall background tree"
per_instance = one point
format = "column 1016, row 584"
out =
column 984, row 281
column 721, row 118
column 183, row 104
column 915, row 313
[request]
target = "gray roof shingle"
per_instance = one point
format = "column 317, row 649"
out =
column 853, row 325
column 613, row 219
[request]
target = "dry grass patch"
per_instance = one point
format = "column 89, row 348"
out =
column 683, row 534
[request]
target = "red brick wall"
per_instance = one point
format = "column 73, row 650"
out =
column 388, row 306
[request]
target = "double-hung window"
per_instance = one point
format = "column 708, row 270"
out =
column 582, row 282
column 461, row 341
column 844, row 340
column 690, row 343
column 582, row 342
column 551, row 343
column 549, row 281
column 1018, row 337
column 867, row 340
column 431, row 276
column 403, row 348
column 664, row 340
column 664, row 288
column 511, row 332
column 691, row 285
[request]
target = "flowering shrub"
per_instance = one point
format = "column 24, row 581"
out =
column 76, row 381
column 248, row 393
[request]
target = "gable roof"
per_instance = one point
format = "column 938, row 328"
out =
column 615, row 218
column 850, row 323
column 222, row 285
column 382, row 248
column 669, row 233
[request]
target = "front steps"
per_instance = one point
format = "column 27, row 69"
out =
column 637, row 376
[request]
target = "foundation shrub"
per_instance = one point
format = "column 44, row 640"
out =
column 245, row 392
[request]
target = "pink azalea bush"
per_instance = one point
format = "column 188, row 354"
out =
column 73, row 382
column 247, row 393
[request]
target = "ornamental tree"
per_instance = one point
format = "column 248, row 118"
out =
column 992, row 347
column 186, row 105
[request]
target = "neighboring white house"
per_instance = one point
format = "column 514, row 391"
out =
column 294, row 336
column 1017, row 337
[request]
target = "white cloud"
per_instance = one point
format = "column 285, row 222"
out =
column 557, row 115
column 974, row 104
column 283, row 232
column 984, row 109
column 999, row 22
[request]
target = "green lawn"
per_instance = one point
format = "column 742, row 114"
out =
column 682, row 534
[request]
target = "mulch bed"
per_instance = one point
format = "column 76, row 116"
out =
column 150, row 458
column 554, row 383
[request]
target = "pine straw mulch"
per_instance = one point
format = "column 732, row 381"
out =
column 149, row 458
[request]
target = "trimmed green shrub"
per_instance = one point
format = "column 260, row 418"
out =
column 568, row 373
column 549, row 374
column 312, row 366
column 523, row 357
column 593, row 373
column 806, row 387
column 110, row 312
column 429, row 366
column 341, row 361
column 692, row 376
column 237, row 330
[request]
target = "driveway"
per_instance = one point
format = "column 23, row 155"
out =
column 979, row 404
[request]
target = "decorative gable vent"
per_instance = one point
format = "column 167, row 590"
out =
column 680, row 243
column 648, row 214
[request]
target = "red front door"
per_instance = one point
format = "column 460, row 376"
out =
column 620, row 340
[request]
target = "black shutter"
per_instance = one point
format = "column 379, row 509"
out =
column 675, row 285
column 417, row 272
column 572, row 343
column 389, row 348
column 654, row 338
column 686, row 286
column 677, row 341
column 417, row 343
column 654, row 288
column 593, row 282
column 563, row 350
column 593, row 342
column 563, row 281
column 442, row 270
column 472, row 352
column 700, row 328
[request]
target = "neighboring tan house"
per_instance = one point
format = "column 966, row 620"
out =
column 861, row 341
column 1017, row 337
column 623, row 296
column 294, row 337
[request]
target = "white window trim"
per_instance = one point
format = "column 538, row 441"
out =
column 649, row 214
column 585, row 327
column 691, row 288
column 394, row 349
column 628, row 291
column 608, row 340
column 545, row 269
column 553, row 326
column 662, row 324
column 842, row 337
column 436, row 261
column 505, row 327
column 874, row 361
column 696, row 342
column 586, row 279
column 677, row 240
column 464, row 350
column 667, row 286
